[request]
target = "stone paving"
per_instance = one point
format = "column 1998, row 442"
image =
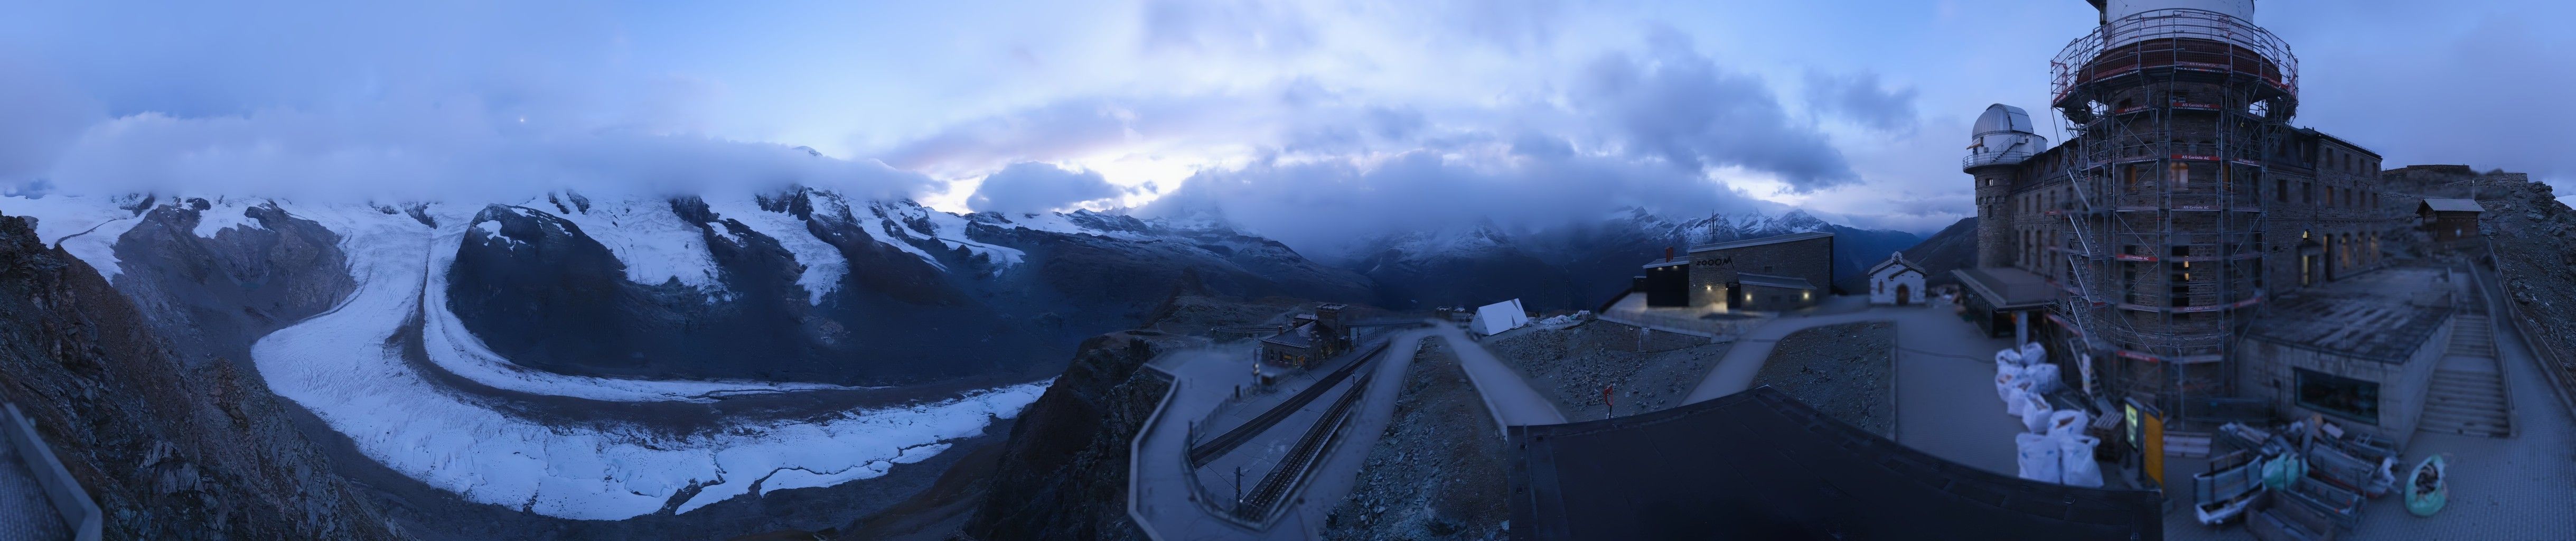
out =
column 1945, row 399
column 25, row 514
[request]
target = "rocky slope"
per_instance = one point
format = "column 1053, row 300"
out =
column 1578, row 265
column 1064, row 473
column 1954, row 247
column 170, row 450
column 2534, row 235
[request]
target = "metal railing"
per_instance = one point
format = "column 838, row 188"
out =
column 2554, row 362
column 1978, row 159
column 2131, row 44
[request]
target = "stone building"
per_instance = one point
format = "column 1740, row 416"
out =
column 1309, row 339
column 2182, row 202
column 1801, row 256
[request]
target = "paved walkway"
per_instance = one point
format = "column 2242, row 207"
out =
column 1945, row 399
column 1509, row 397
column 25, row 514
column 1160, row 498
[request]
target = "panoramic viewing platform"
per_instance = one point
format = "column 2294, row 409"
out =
column 1289, row 270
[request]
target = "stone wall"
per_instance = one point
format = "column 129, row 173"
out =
column 2267, row 370
column 1812, row 259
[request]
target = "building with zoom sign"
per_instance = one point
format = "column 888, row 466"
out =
column 2180, row 208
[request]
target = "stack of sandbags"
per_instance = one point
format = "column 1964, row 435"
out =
column 2057, row 451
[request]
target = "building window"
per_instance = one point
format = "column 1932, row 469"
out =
column 2339, row 396
column 2281, row 190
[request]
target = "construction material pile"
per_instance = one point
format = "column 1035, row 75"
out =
column 2055, row 448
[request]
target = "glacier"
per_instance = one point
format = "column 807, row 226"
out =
column 345, row 366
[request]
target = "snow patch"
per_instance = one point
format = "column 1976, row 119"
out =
column 222, row 215
column 823, row 263
column 950, row 229
column 653, row 242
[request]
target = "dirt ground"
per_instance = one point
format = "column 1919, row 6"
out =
column 1438, row 472
column 1572, row 366
column 1842, row 370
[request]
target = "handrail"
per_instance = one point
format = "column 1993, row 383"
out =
column 2554, row 362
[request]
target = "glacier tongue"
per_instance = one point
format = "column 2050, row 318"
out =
column 86, row 226
column 344, row 366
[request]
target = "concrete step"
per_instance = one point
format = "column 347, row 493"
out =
column 2463, row 376
column 2489, row 402
column 2468, row 387
column 2465, row 411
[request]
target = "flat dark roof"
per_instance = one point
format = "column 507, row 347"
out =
column 1775, row 239
column 2009, row 288
column 1772, row 280
column 1761, row 465
column 1662, row 264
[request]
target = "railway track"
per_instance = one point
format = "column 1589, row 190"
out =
column 1201, row 453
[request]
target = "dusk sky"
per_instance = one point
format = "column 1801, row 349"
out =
column 1520, row 112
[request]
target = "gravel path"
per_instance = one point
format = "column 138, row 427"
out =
column 1436, row 473
column 1645, row 372
column 1842, row 370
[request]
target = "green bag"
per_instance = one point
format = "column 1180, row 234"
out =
column 2424, row 500
column 2281, row 471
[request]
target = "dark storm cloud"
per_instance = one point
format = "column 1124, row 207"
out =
column 1038, row 187
column 1679, row 105
column 1861, row 99
column 1324, row 206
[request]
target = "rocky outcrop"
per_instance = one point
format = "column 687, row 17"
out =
column 211, row 295
column 1064, row 473
column 169, row 451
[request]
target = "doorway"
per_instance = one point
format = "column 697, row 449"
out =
column 1904, row 296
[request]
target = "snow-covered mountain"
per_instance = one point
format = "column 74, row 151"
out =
column 1578, row 265
column 653, row 354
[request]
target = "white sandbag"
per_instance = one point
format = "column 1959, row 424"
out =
column 2042, row 378
column 2066, row 423
column 2075, row 460
column 2040, row 458
column 2013, row 401
column 2034, row 414
column 2033, row 353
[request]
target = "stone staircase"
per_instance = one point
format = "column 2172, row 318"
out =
column 2468, row 390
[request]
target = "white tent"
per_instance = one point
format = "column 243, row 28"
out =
column 1495, row 318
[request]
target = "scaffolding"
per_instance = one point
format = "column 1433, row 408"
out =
column 2170, row 116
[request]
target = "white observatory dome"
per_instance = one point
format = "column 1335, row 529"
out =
column 2002, row 136
column 2002, row 118
column 2114, row 10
